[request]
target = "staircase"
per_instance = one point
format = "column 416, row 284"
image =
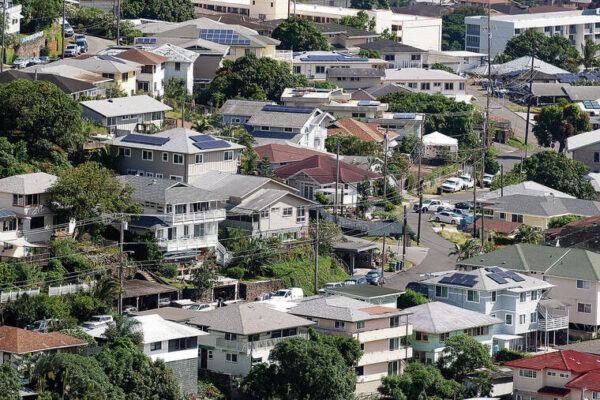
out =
column 146, row 275
column 224, row 256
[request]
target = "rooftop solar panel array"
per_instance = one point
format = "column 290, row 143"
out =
column 500, row 276
column 223, row 36
column 288, row 109
column 106, row 57
column 460, row 280
column 405, row 116
column 145, row 40
column 206, row 142
column 145, row 139
column 573, row 78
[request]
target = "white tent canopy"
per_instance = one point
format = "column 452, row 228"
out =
column 439, row 139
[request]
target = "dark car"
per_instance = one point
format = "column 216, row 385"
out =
column 356, row 280
column 375, row 277
column 464, row 205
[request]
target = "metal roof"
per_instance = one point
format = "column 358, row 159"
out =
column 342, row 308
column 437, row 317
column 37, row 182
column 125, row 106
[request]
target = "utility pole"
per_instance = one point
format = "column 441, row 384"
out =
column 118, row 22
column 474, row 205
column 385, row 161
column 62, row 54
column 317, row 253
column 420, row 184
column 529, row 100
column 183, row 113
column 122, row 227
column 486, row 129
column 482, row 226
column 404, row 240
column 3, row 34
column 501, row 180
column 337, row 180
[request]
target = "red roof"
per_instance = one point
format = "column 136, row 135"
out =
column 497, row 225
column 141, row 57
column 283, row 153
column 323, row 169
column 562, row 360
column 19, row 341
column 367, row 132
column 590, row 381
column 581, row 223
column 554, row 391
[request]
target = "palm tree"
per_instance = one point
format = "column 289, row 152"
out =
column 202, row 124
column 124, row 328
column 589, row 54
column 468, row 249
column 527, row 234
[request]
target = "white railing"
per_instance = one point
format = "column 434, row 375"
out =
column 5, row 297
column 283, row 55
column 403, row 352
column 218, row 213
column 69, row 289
column 553, row 323
column 246, row 347
column 187, row 243
column 384, row 333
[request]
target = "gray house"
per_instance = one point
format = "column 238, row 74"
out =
column 355, row 78
column 585, row 147
column 397, row 55
column 178, row 154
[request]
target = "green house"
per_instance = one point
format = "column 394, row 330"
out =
column 435, row 322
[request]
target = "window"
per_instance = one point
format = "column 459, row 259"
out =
column 421, row 336
column 494, row 296
column 183, row 344
column 390, row 57
column 551, row 373
column 502, row 216
column 444, row 336
column 533, row 317
column 359, row 371
column 231, row 357
column 155, row 346
column 176, row 178
column 178, row 159
column 300, row 215
column 340, row 324
column 199, row 158
column 473, row 296
column 477, row 331
column 461, row 86
column 584, row 308
column 360, row 325
column 394, row 344
column 147, row 155
column 165, row 157
column 412, row 85
column 228, row 155
column 210, row 354
column 441, row 291
column 159, row 175
column 177, row 66
column 296, row 69
column 523, row 297
column 320, row 69
column 109, row 76
column 425, row 86
column 359, row 115
column 230, row 336
column 394, row 322
column 253, row 338
column 125, row 152
column 287, row 211
column 125, row 77
column 393, row 368
column 534, row 295
column 527, row 373
column 508, row 319
column 437, row 84
column 275, row 334
column 26, row 200
column 566, row 376
column 415, row 57
column 522, row 319
column 583, row 284
column 449, row 86
column 517, row 218
column 264, row 214
column 288, row 129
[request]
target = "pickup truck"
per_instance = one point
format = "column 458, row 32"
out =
column 452, row 185
column 431, row 205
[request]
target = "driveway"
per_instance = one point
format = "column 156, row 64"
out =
column 96, row 44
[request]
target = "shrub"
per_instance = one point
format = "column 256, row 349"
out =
column 235, row 272
column 45, row 51
column 504, row 355
column 167, row 270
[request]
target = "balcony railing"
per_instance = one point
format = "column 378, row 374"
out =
column 553, row 324
column 190, row 243
column 218, row 213
column 246, row 347
column 403, row 352
column 283, row 55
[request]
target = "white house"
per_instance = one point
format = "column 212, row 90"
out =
column 13, row 17
column 435, row 143
column 397, row 55
column 152, row 75
column 314, row 64
column 9, row 234
column 430, row 81
column 179, row 64
column 128, row 114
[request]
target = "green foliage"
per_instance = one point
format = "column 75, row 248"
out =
column 88, row 191
column 80, row 334
column 455, row 126
column 442, row 67
column 322, row 85
column 300, row 34
column 555, row 49
column 176, row 91
column 348, row 347
column 453, row 26
column 249, row 77
column 557, row 122
column 17, row 273
column 589, row 54
column 235, row 272
column 250, row 253
column 208, row 390
column 38, row 14
column 321, row 198
column 526, row 234
column 168, row 271
column 370, row 4
column 370, row 53
column 301, row 273
column 164, row 10
column 26, row 309
column 144, row 246
column 359, row 21
column 10, row 383
column 468, row 249
column 82, row 307
column 419, row 382
column 410, row 298
column 510, row 178
column 462, row 356
column 351, row 145
column 204, row 278
column 558, row 222
column 504, row 355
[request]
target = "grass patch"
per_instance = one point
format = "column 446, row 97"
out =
column 301, row 273
column 517, row 108
column 519, row 143
column 455, row 237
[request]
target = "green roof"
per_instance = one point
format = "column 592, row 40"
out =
column 552, row 261
column 365, row 291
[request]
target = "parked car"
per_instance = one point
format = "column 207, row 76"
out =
column 164, row 301
column 356, row 280
column 128, row 310
column 461, row 212
column 452, row 185
column 68, row 29
column 464, row 205
column 447, row 217
column 202, row 307
column 183, row 303
column 72, row 50
column 20, row 63
column 288, row 294
column 375, row 277
column 331, row 285
column 97, row 321
column 80, row 36
column 487, row 179
column 467, row 181
column 83, row 46
column 43, row 325
column 433, row 205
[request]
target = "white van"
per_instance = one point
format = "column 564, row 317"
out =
column 288, row 294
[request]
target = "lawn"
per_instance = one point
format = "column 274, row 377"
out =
column 518, row 108
column 302, row 273
column 454, row 236
column 519, row 143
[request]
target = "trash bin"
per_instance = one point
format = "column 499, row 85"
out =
column 440, row 190
column 399, row 266
column 392, row 266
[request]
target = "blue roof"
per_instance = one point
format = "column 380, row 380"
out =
column 204, row 142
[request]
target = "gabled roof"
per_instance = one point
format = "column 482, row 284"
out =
column 343, row 308
column 547, row 206
column 386, row 88
column 100, row 64
column 243, row 107
column 562, row 360
column 529, row 188
column 282, row 118
column 165, row 191
column 248, row 319
column 589, row 381
column 156, row 329
column 125, row 106
column 390, row 46
column 175, row 53
column 581, row 93
column 518, row 65
column 264, row 198
column 367, row 132
column 322, row 168
column 283, row 153
column 19, row 341
column 362, row 94
column 583, row 140
column 174, row 314
column 142, row 57
column 235, row 185
column 67, row 85
column 496, row 225
column 37, row 182
column 437, row 317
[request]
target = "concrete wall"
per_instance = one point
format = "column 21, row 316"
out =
column 251, row 290
column 185, row 373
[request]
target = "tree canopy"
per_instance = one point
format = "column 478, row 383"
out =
column 453, row 26
column 352, row 145
column 555, row 49
column 38, row 14
column 10, row 383
column 557, row 122
column 462, row 356
column 164, row 10
column 370, row 4
column 249, row 77
column 300, row 34
column 359, row 21
column 410, row 298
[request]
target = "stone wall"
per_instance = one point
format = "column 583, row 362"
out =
column 252, row 290
column 31, row 49
column 185, row 373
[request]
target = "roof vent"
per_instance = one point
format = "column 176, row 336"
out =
column 110, row 100
column 154, row 181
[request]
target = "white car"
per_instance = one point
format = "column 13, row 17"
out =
column 452, row 185
column 288, row 294
column 331, row 285
column 97, row 321
column 72, row 50
column 467, row 181
column 447, row 217
column 487, row 179
column 433, row 205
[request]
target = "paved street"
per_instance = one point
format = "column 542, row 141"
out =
column 96, row 44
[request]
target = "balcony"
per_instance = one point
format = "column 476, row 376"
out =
column 403, row 352
column 381, row 334
column 201, row 216
column 553, row 324
column 247, row 347
column 283, row 55
column 191, row 243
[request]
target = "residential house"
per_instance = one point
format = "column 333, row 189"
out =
column 437, row 144
column 574, row 274
column 366, row 132
column 387, row 88
column 493, row 227
column 497, row 292
column 178, row 154
column 587, row 98
column 261, row 206
column 242, row 335
column 173, row 343
column 582, row 234
column 345, row 37
column 355, row 78
column 516, row 69
column 314, row 64
column 435, row 322
column 536, row 211
column 398, row 55
column 8, row 233
column 279, row 154
column 122, row 72
column 318, row 174
column 179, row 64
column 272, row 123
column 527, row 188
column 586, row 346
column 563, row 374
column 382, row 332
column 180, row 216
column 72, row 87
column 430, row 81
column 585, row 148
column 459, row 60
column 126, row 114
column 376, row 295
column 151, row 78
column 100, row 83
column 13, row 16
column 26, row 196
column 547, row 93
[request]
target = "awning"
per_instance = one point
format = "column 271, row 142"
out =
column 554, row 391
column 506, row 337
column 205, row 346
column 21, row 242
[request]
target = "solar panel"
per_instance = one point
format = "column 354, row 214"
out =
column 106, row 57
column 212, row 144
column 288, row 109
column 591, row 105
column 497, row 278
column 405, row 116
column 514, row 276
column 202, row 138
column 145, row 139
column 460, row 280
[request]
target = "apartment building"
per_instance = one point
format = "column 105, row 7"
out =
column 242, row 335
column 505, row 294
column 178, row 154
column 576, row 25
column 382, row 332
column 397, row 55
column 430, row 81
column 13, row 16
column 315, row 64
column 151, row 78
column 179, row 64
column 355, row 78
column 180, row 216
column 126, row 114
